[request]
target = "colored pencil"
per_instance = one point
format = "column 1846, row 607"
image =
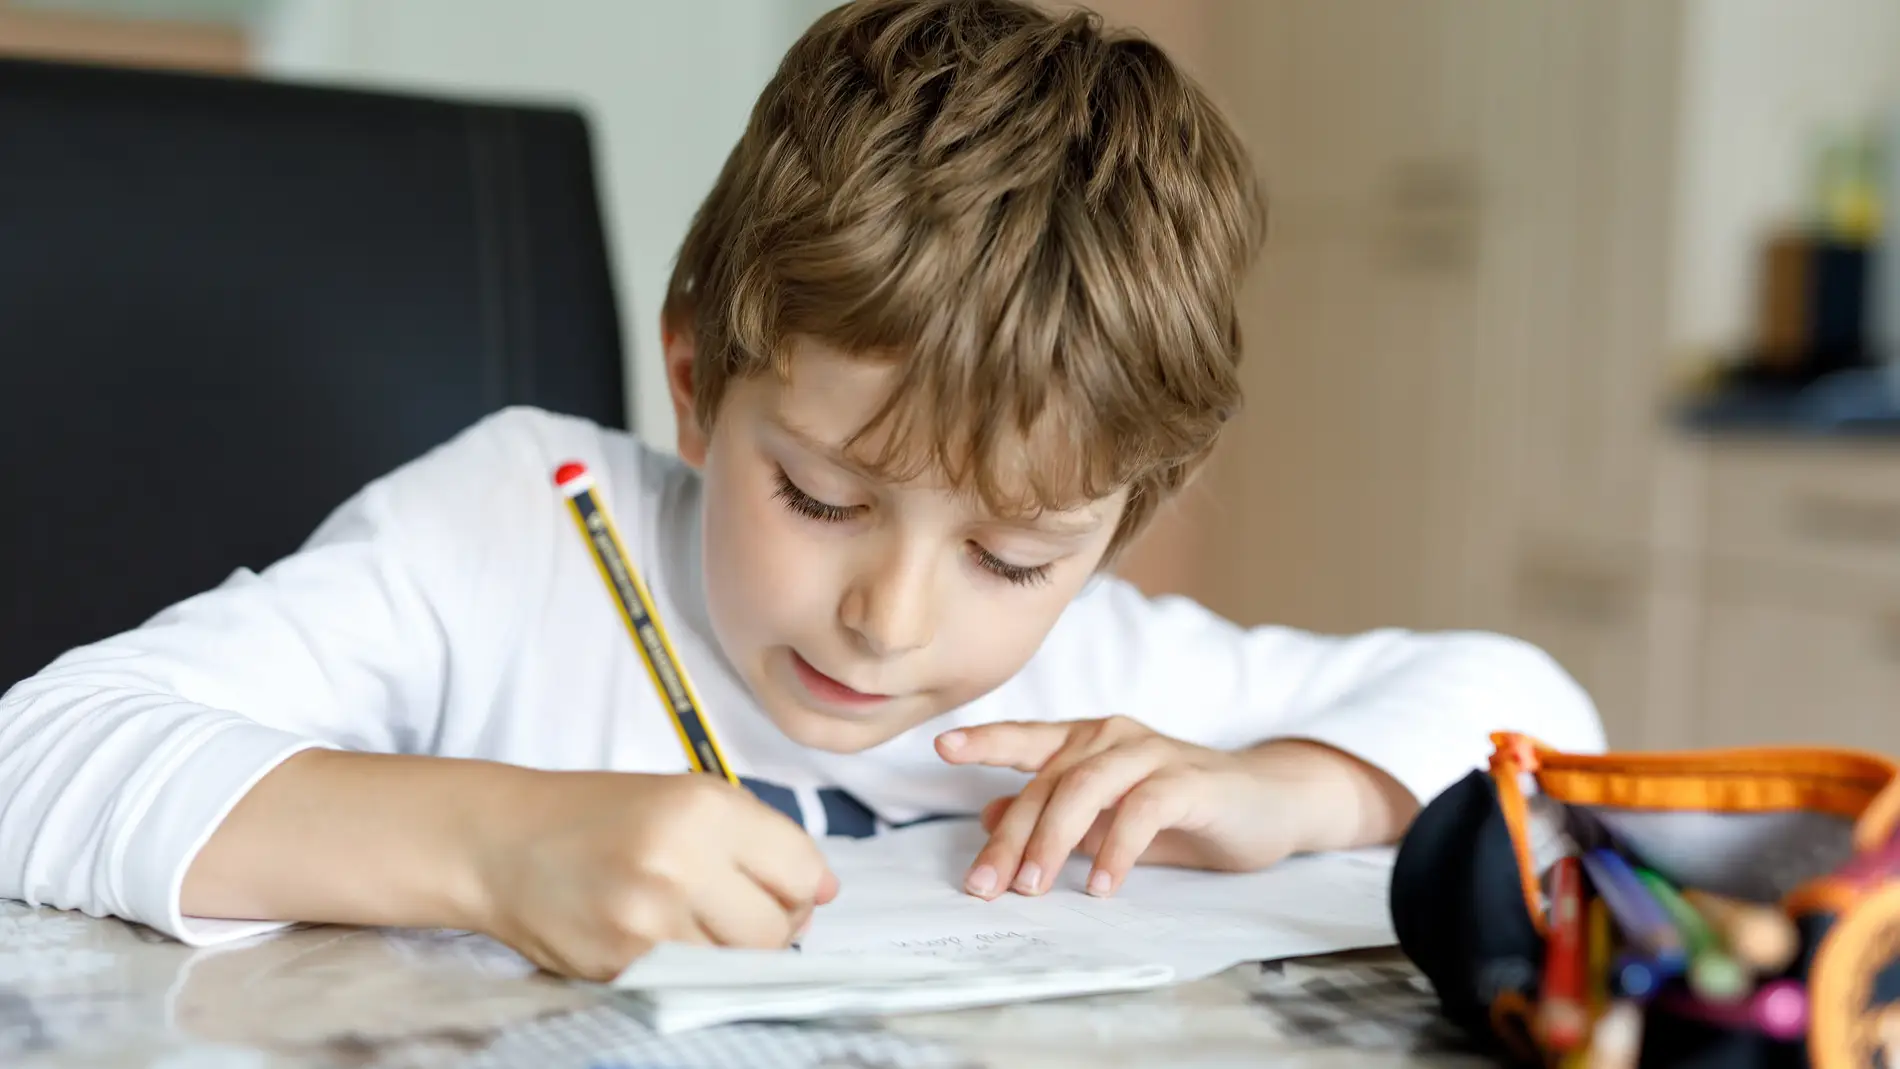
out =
column 1562, row 1018
column 1598, row 966
column 1761, row 937
column 1713, row 974
column 1639, row 975
column 1644, row 923
column 1598, row 943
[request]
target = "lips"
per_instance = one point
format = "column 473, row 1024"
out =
column 830, row 690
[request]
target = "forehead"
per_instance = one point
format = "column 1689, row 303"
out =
column 830, row 392
column 830, row 399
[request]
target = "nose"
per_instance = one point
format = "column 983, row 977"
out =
column 889, row 607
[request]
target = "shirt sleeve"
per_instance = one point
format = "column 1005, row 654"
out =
column 119, row 759
column 1419, row 706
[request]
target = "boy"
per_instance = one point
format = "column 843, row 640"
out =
column 957, row 317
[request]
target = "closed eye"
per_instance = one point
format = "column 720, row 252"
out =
column 1019, row 574
column 808, row 506
column 811, row 508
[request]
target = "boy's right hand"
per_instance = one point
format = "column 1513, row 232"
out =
column 593, row 869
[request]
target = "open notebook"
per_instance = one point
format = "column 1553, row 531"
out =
column 902, row 936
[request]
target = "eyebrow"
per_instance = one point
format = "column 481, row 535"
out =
column 1059, row 526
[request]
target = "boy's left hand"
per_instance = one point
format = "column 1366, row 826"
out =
column 1120, row 792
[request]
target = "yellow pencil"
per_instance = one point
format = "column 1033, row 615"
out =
column 1597, row 950
column 643, row 623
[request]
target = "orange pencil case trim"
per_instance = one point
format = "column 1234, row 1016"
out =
column 1858, row 786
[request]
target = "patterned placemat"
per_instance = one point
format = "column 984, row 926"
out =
column 78, row 991
column 1360, row 1003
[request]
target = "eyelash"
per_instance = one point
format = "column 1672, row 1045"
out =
column 811, row 508
column 1016, row 574
column 808, row 506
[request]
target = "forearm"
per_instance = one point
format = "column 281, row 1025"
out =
column 1344, row 802
column 355, row 838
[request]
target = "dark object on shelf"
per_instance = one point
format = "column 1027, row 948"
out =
column 1860, row 401
column 1837, row 320
column 1812, row 298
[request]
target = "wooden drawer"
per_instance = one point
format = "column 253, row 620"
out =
column 1826, row 505
column 1800, row 656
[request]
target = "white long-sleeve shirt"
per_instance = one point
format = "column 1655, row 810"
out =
column 452, row 608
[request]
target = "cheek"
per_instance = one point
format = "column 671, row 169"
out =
column 994, row 637
column 757, row 573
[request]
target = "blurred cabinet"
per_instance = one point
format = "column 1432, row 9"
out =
column 1453, row 364
column 1764, row 610
column 1361, row 326
column 1456, row 375
column 1588, row 610
column 1818, row 505
column 1579, row 150
column 1798, row 655
column 1574, row 301
column 1801, row 631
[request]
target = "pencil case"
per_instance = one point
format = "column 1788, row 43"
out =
column 1807, row 833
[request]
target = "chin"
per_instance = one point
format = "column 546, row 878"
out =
column 835, row 734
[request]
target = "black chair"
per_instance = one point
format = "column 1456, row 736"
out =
column 225, row 305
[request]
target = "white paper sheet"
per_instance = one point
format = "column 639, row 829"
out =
column 902, row 935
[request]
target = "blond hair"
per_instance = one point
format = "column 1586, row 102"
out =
column 1043, row 224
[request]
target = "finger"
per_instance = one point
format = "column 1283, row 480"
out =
column 993, row 812
column 1090, row 786
column 1091, row 843
column 998, row 864
column 1025, row 746
column 801, row 917
column 738, row 912
column 1157, row 804
column 785, row 860
column 648, row 912
column 1166, row 849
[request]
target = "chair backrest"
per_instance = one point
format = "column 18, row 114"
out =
column 226, row 305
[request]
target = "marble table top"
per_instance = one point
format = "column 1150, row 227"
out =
column 76, row 991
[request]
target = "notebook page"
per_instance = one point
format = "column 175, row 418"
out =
column 903, row 935
column 676, row 1010
column 903, row 889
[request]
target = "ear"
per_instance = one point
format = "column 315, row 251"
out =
column 678, row 345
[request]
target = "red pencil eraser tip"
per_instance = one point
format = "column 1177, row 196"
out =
column 568, row 472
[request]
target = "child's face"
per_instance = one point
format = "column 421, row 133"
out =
column 857, row 608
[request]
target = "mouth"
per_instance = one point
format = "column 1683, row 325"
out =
column 830, row 691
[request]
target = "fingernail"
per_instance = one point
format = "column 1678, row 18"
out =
column 1098, row 884
column 981, row 881
column 1028, row 878
column 953, row 740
